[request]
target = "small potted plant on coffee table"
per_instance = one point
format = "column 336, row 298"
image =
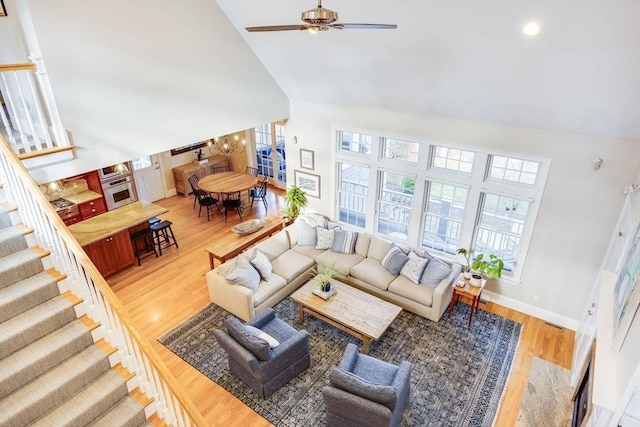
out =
column 324, row 274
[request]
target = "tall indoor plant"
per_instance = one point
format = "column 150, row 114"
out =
column 296, row 200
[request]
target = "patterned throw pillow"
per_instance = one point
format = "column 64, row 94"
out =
column 244, row 274
column 344, row 242
column 414, row 268
column 324, row 237
column 262, row 264
column 394, row 260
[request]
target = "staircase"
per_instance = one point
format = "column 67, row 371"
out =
column 51, row 371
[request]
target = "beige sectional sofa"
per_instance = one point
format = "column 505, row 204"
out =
column 292, row 265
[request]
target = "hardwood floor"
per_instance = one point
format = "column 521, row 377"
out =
column 166, row 290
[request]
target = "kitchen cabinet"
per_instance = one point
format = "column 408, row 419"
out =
column 182, row 173
column 112, row 254
column 92, row 208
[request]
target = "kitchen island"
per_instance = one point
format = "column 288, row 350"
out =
column 105, row 238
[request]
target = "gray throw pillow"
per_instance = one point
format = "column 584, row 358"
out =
column 344, row 242
column 244, row 274
column 259, row 333
column 394, row 260
column 436, row 271
column 306, row 234
column 344, row 380
column 257, row 346
column 261, row 263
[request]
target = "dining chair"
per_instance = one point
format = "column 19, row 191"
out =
column 221, row 169
column 231, row 201
column 193, row 181
column 259, row 192
column 206, row 200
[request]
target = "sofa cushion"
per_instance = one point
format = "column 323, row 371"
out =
column 275, row 245
column 261, row 263
column 259, row 333
column 257, row 346
column 371, row 271
column 309, row 251
column 244, row 274
column 342, row 263
column 394, row 260
column 404, row 287
column 414, row 268
column 436, row 271
column 267, row 288
column 362, row 244
column 324, row 237
column 378, row 248
column 291, row 264
column 307, row 234
column 344, row 242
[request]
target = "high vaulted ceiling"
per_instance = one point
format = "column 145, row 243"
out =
column 464, row 59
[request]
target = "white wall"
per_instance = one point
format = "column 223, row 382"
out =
column 578, row 211
column 135, row 77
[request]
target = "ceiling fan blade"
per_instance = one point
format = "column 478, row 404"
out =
column 365, row 26
column 277, row 28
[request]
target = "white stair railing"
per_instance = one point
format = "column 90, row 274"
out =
column 83, row 279
column 30, row 120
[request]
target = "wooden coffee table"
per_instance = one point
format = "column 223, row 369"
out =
column 357, row 313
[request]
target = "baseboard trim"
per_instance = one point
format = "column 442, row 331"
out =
column 531, row 310
column 171, row 192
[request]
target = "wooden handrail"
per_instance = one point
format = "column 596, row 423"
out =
column 99, row 281
column 18, row 67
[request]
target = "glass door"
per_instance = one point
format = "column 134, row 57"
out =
column 270, row 153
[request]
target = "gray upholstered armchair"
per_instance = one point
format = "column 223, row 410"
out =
column 365, row 391
column 252, row 359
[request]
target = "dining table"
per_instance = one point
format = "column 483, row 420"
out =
column 228, row 182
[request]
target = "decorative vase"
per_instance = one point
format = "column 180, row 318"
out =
column 466, row 275
column 476, row 280
column 325, row 287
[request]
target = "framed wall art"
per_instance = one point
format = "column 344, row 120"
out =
column 308, row 182
column 626, row 293
column 306, row 159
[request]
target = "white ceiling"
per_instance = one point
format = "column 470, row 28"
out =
column 463, row 59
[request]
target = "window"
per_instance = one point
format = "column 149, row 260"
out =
column 353, row 194
column 443, row 216
column 513, row 170
column 355, row 142
column 266, row 137
column 394, row 204
column 452, row 159
column 500, row 227
column 467, row 198
column 401, row 150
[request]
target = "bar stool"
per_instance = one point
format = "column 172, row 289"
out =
column 163, row 235
column 146, row 236
column 153, row 220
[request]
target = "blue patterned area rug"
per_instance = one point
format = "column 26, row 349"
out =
column 459, row 372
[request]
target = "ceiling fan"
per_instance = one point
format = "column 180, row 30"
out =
column 320, row 19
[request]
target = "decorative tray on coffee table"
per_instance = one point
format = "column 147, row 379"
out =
column 248, row 227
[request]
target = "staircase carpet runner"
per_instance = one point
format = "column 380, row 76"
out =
column 51, row 372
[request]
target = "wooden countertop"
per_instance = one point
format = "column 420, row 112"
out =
column 113, row 222
column 85, row 196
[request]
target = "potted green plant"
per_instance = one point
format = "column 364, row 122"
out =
column 296, row 200
column 466, row 269
column 324, row 274
column 490, row 266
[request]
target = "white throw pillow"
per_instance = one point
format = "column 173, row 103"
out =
column 262, row 264
column 259, row 333
column 324, row 237
column 414, row 268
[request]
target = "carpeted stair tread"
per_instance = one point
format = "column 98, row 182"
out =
column 29, row 362
column 11, row 240
column 26, row 294
column 125, row 413
column 33, row 324
column 88, row 403
column 55, row 388
column 5, row 219
column 18, row 266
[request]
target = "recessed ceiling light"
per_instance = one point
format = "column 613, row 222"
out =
column 531, row 29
